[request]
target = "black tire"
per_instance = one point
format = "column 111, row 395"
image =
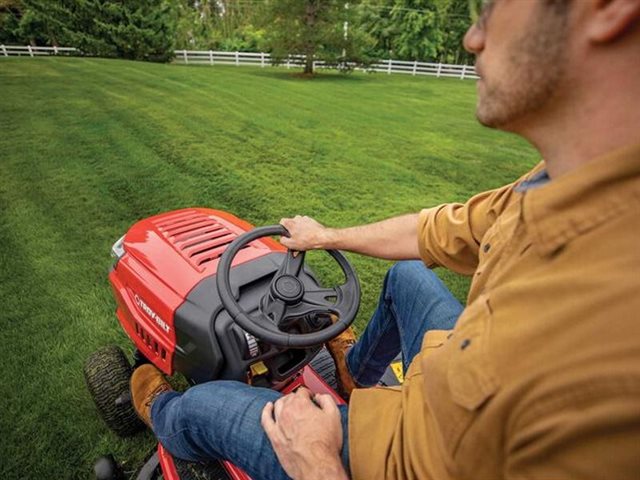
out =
column 107, row 373
column 323, row 364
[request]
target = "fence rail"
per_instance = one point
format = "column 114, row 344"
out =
column 212, row 57
column 261, row 59
column 29, row 51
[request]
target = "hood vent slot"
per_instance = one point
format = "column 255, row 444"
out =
column 196, row 236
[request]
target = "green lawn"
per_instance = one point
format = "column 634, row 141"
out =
column 89, row 146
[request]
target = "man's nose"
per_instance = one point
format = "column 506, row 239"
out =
column 474, row 39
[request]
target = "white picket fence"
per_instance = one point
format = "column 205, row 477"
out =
column 211, row 57
column 29, row 51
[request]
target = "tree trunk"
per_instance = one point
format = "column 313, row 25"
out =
column 311, row 48
column 308, row 64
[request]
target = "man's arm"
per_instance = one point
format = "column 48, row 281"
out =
column 392, row 239
column 448, row 235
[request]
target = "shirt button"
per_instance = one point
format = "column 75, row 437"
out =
column 486, row 247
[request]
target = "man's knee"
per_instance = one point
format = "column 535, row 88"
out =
column 202, row 401
column 408, row 274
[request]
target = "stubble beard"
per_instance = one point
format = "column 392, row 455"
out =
column 535, row 69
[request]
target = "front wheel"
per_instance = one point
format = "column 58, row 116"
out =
column 107, row 373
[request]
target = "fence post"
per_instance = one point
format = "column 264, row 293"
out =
column 184, row 54
column 415, row 66
column 288, row 64
column 237, row 59
column 389, row 66
column 55, row 50
column 464, row 70
column 30, row 51
column 4, row 50
column 439, row 69
column 262, row 59
column 211, row 57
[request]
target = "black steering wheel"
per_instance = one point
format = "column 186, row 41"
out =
column 288, row 298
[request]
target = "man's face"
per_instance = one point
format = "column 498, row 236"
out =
column 521, row 48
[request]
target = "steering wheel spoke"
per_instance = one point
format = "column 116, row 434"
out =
column 275, row 309
column 322, row 297
column 292, row 264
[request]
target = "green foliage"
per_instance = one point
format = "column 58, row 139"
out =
column 220, row 25
column 430, row 30
column 317, row 29
column 417, row 29
column 9, row 19
column 135, row 29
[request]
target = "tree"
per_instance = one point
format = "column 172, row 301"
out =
column 220, row 24
column 134, row 29
column 417, row 29
column 317, row 29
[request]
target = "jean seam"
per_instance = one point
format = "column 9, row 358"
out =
column 401, row 333
column 375, row 344
column 169, row 437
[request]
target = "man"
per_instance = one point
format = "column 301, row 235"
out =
column 540, row 378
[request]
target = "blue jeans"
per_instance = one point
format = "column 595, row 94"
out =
column 221, row 419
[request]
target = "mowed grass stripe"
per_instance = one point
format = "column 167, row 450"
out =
column 89, row 146
column 56, row 312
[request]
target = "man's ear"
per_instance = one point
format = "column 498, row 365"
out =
column 611, row 18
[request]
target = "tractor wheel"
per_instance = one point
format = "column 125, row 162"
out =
column 323, row 364
column 107, row 373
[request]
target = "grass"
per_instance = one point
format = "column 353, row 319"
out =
column 89, row 146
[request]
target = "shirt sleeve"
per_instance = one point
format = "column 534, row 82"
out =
column 449, row 235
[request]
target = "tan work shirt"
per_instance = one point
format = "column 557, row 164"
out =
column 540, row 379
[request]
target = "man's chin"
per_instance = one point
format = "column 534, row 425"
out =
column 485, row 118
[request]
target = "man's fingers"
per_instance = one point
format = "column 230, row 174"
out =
column 325, row 402
column 304, row 392
column 266, row 419
column 277, row 408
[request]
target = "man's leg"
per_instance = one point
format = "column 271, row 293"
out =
column 413, row 301
column 221, row 420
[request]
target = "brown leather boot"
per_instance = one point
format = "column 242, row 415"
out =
column 147, row 382
column 338, row 348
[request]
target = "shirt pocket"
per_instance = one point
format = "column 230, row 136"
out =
column 471, row 375
column 464, row 376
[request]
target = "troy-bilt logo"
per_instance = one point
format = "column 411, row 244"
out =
column 153, row 315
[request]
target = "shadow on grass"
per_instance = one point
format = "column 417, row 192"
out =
column 322, row 76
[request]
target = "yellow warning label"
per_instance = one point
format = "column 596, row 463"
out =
column 259, row 369
column 397, row 370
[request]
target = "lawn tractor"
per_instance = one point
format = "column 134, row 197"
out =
column 203, row 294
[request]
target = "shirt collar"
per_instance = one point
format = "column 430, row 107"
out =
column 581, row 200
column 536, row 180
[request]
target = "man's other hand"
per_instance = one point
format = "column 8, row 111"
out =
column 306, row 434
column 305, row 233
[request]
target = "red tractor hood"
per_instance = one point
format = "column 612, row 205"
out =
column 182, row 247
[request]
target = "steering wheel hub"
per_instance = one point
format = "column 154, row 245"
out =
column 288, row 289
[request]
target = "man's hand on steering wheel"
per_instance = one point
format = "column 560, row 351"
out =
column 305, row 234
column 306, row 434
